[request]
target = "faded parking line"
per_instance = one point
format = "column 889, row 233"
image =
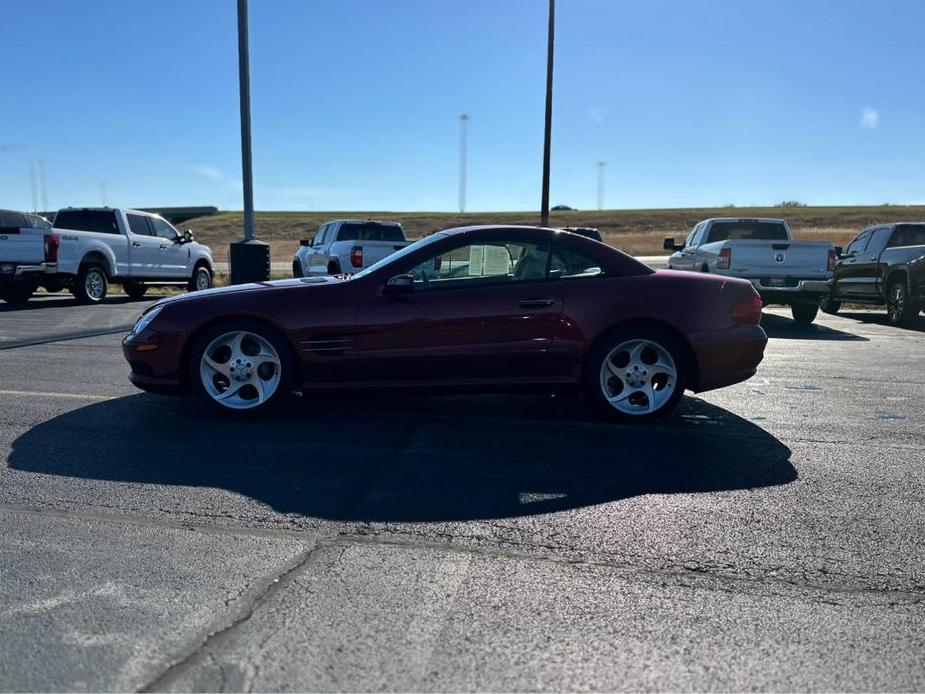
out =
column 69, row 396
column 48, row 339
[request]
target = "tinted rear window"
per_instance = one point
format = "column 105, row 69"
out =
column 357, row 231
column 13, row 220
column 747, row 231
column 100, row 221
column 908, row 235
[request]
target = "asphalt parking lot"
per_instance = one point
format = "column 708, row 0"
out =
column 770, row 535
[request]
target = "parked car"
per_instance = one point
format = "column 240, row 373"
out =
column 476, row 307
column 347, row 246
column 884, row 264
column 762, row 251
column 88, row 248
column 587, row 232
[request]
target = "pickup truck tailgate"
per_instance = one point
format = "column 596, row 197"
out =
column 806, row 259
column 21, row 245
column 374, row 251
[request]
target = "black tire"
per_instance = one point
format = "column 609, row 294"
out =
column 201, row 279
column 135, row 290
column 804, row 314
column 288, row 368
column 334, row 267
column 594, row 382
column 829, row 305
column 92, row 284
column 297, row 269
column 900, row 308
column 705, row 268
column 19, row 294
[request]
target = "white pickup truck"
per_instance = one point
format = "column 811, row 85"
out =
column 87, row 248
column 782, row 270
column 347, row 246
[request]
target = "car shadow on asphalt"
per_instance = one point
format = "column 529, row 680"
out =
column 787, row 329
column 61, row 300
column 409, row 458
column 876, row 318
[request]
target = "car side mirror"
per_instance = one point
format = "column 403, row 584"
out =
column 670, row 245
column 849, row 254
column 188, row 236
column 305, row 242
column 838, row 251
column 400, row 284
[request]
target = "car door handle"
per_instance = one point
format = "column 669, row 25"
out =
column 136, row 244
column 537, row 303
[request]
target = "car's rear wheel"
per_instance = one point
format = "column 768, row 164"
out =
column 92, row 284
column 829, row 305
column 19, row 294
column 804, row 314
column 899, row 307
column 241, row 367
column 636, row 375
column 135, row 290
column 297, row 269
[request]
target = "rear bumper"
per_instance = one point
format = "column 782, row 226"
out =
column 18, row 272
column 808, row 287
column 725, row 357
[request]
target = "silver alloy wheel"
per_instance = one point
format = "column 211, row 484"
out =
column 203, row 279
column 95, row 284
column 240, row 370
column 896, row 302
column 638, row 377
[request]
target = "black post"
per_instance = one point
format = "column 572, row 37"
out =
column 544, row 211
column 250, row 258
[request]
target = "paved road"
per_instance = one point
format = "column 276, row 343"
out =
column 770, row 535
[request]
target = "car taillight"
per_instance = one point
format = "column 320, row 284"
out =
column 356, row 256
column 52, row 242
column 830, row 266
column 748, row 308
column 724, row 260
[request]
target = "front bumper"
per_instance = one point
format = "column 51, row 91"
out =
column 154, row 359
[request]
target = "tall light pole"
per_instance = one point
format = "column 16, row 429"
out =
column 250, row 259
column 600, row 184
column 463, row 146
column 547, row 137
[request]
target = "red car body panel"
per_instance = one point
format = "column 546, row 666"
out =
column 352, row 333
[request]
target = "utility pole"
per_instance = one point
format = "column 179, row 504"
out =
column 463, row 146
column 103, row 193
column 250, row 259
column 600, row 184
column 34, row 185
column 547, row 137
column 43, row 187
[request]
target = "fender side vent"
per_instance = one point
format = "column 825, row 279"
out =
column 328, row 345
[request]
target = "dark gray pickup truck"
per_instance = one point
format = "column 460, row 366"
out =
column 884, row 264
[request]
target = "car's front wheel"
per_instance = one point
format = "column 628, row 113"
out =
column 201, row 279
column 636, row 375
column 242, row 367
column 899, row 307
column 829, row 305
column 92, row 284
column 804, row 314
column 134, row 290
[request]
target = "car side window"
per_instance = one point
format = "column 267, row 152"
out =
column 138, row 224
column 859, row 243
column 325, row 234
column 907, row 235
column 691, row 236
column 878, row 240
column 162, row 229
column 568, row 264
column 496, row 262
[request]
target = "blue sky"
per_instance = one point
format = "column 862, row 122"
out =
column 356, row 102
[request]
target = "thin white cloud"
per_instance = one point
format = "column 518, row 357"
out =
column 597, row 113
column 870, row 118
column 209, row 172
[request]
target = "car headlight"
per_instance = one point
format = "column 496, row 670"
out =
column 146, row 319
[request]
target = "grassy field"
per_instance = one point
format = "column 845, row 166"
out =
column 639, row 232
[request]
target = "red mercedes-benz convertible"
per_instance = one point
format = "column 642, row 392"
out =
column 489, row 307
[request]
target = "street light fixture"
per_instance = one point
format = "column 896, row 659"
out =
column 463, row 146
column 547, row 136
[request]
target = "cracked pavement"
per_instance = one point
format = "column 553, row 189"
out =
column 767, row 536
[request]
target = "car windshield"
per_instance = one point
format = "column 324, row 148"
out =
column 748, row 231
column 395, row 257
column 370, row 231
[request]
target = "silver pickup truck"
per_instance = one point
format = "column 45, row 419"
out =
column 763, row 251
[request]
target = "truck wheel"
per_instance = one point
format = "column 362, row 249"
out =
column 333, row 267
column 899, row 307
column 92, row 284
column 201, row 279
column 297, row 269
column 135, row 290
column 19, row 294
column 804, row 314
column 829, row 305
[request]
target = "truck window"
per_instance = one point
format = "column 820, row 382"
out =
column 162, row 229
column 748, row 231
column 100, row 221
column 369, row 231
column 13, row 220
column 907, row 235
column 139, row 225
column 859, row 243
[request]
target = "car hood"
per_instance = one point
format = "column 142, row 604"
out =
column 271, row 285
